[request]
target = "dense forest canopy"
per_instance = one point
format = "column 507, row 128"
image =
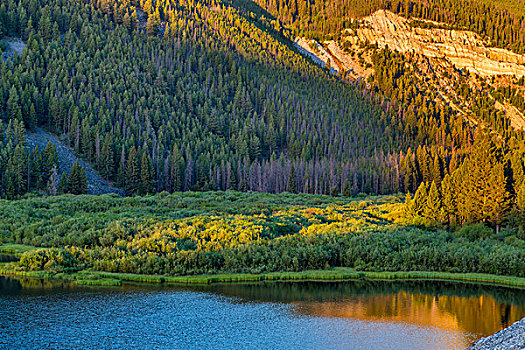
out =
column 209, row 95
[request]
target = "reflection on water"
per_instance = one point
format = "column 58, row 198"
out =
column 350, row 315
column 476, row 309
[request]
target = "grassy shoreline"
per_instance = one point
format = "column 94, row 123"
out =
column 98, row 278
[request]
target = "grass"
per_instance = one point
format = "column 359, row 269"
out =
column 15, row 249
column 110, row 282
column 97, row 278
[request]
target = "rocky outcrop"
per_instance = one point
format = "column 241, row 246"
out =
column 435, row 56
column 66, row 158
column 465, row 49
column 317, row 53
column 13, row 46
column 511, row 338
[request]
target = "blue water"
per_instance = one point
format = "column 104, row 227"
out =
column 170, row 318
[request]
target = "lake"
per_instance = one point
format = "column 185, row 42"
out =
column 36, row 314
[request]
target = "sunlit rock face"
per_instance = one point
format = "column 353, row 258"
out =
column 464, row 49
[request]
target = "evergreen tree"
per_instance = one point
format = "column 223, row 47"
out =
column 63, row 184
column 498, row 198
column 14, row 110
column 106, row 158
column 50, row 159
column 152, row 25
column 433, row 208
column 449, row 195
column 420, row 199
column 77, row 183
column 409, row 211
column 133, row 174
column 147, row 177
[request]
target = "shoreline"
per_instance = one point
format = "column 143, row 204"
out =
column 98, row 278
column 512, row 337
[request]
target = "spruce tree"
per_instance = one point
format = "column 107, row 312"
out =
column 14, row 110
column 433, row 208
column 420, row 199
column 77, row 183
column 498, row 198
column 449, row 197
column 146, row 175
column 408, row 208
column 132, row 180
column 63, row 184
column 50, row 159
column 107, row 160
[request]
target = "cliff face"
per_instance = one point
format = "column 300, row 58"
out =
column 437, row 57
column 317, row 53
column 464, row 49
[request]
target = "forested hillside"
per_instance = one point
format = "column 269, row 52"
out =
column 213, row 102
column 210, row 95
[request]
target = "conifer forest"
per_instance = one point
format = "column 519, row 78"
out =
column 172, row 99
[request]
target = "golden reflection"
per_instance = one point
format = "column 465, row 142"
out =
column 479, row 316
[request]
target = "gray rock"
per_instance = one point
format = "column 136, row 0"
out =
column 66, row 159
column 510, row 338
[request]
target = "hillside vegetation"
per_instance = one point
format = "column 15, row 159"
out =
column 199, row 95
column 194, row 233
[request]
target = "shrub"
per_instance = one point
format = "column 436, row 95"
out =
column 474, row 232
column 54, row 259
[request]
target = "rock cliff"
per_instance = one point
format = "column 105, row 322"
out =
column 436, row 55
column 465, row 49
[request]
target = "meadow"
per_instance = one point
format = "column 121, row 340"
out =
column 205, row 237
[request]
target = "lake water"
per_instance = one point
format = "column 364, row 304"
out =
column 38, row 314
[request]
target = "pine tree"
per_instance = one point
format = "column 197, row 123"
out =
column 106, row 158
column 147, row 176
column 420, row 199
column 63, row 184
column 37, row 169
column 498, row 198
column 50, row 159
column 437, row 170
column 14, row 110
column 433, row 208
column 449, row 196
column 77, row 183
column 347, row 188
column 152, row 26
column 132, row 172
column 408, row 208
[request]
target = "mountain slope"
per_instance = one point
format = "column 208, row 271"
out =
column 443, row 59
column 204, row 97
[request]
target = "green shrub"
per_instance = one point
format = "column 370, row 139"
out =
column 474, row 232
column 54, row 259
